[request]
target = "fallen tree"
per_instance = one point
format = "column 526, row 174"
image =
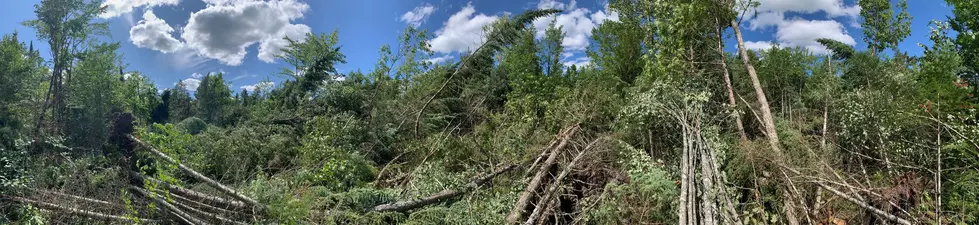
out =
column 79, row 212
column 401, row 206
column 220, row 187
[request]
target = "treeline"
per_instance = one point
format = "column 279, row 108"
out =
column 663, row 127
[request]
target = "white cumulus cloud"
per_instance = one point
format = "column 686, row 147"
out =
column 154, row 33
column 191, row 84
column 578, row 62
column 758, row 45
column 801, row 32
column 832, row 8
column 462, row 32
column 226, row 28
column 416, row 17
column 576, row 23
column 114, row 8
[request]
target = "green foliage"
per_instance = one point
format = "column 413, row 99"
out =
column 840, row 50
column 881, row 28
column 648, row 196
column 331, row 147
column 213, row 99
column 181, row 106
column 618, row 49
column 315, row 56
column 193, row 125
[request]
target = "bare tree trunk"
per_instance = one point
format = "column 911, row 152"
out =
column 766, row 111
column 727, row 83
column 173, row 210
column 210, row 216
column 709, row 197
column 766, row 114
column 198, row 196
column 549, row 193
column 684, row 181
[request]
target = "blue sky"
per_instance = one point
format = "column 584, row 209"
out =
column 171, row 40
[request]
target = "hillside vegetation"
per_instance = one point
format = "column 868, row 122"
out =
column 663, row 127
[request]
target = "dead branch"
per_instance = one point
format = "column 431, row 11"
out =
column 78, row 212
column 220, row 187
column 549, row 193
column 856, row 201
column 75, row 197
column 518, row 209
column 173, row 210
column 402, row 206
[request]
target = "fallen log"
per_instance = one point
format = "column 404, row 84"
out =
column 77, row 198
column 220, row 187
column 402, row 206
column 204, row 198
column 173, row 210
column 79, row 212
column 208, row 208
column 210, row 216
column 518, row 209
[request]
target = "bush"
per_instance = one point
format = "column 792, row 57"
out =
column 648, row 196
column 193, row 125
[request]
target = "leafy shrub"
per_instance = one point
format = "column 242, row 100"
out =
column 648, row 196
column 193, row 125
column 330, row 147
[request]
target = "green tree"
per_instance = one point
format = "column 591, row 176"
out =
column 619, row 48
column 181, row 105
column 966, row 23
column 881, row 28
column 213, row 99
column 95, row 90
column 67, row 26
column 551, row 50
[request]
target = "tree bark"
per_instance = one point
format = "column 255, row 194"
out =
column 518, row 209
column 199, row 197
column 210, row 216
column 766, row 115
column 727, row 83
column 173, row 210
column 549, row 193
column 766, row 111
column 402, row 206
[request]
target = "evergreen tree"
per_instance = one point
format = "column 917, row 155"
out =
column 213, row 99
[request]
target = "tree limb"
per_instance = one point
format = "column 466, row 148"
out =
column 402, row 206
column 518, row 209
